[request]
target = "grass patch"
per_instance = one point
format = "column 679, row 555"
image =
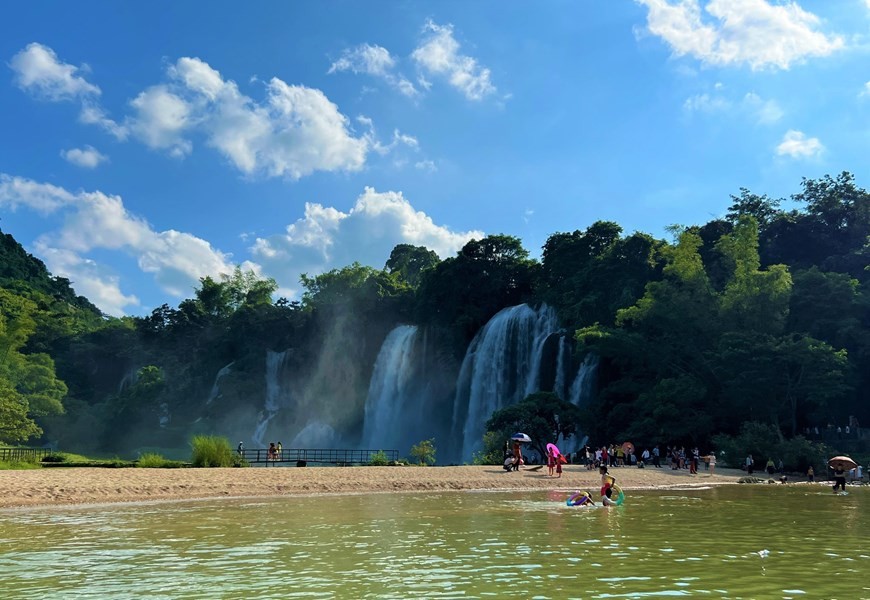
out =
column 152, row 460
column 212, row 451
column 18, row 465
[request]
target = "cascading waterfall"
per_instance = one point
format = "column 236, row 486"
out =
column 386, row 405
column 564, row 349
column 274, row 395
column 215, row 388
column 581, row 388
column 500, row 368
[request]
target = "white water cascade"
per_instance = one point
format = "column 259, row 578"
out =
column 501, row 367
column 274, row 395
column 581, row 388
column 215, row 387
column 386, row 410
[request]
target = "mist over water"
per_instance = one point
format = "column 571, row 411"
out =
column 415, row 389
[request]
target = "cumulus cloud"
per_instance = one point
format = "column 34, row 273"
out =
column 293, row 132
column 297, row 130
column 439, row 55
column 161, row 120
column 375, row 61
column 39, row 71
column 97, row 221
column 87, row 157
column 797, row 145
column 752, row 32
column 326, row 238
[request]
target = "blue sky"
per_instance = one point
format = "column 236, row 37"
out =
column 143, row 146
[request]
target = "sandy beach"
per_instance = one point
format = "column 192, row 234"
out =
column 62, row 486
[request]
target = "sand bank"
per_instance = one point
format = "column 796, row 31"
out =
column 60, row 486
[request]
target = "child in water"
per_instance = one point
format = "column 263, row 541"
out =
column 607, row 482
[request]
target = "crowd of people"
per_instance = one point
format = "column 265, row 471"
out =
column 625, row 455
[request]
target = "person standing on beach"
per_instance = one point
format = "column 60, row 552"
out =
column 551, row 461
column 518, row 455
column 811, row 474
column 712, row 463
column 656, row 457
column 749, row 464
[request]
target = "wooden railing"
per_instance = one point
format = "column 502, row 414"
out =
column 23, row 454
column 302, row 456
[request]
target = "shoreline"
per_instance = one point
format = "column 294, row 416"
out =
column 76, row 486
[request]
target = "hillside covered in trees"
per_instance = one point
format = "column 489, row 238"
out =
column 761, row 316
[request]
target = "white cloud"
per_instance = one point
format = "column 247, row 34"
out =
column 375, row 61
column 327, row 238
column 752, row 32
column 292, row 133
column 764, row 112
column 38, row 71
column 426, row 165
column 797, row 145
column 97, row 221
column 161, row 120
column 365, row 58
column 87, row 157
column 44, row 198
column 295, row 132
column 439, row 55
column 706, row 103
column 865, row 91
column 93, row 114
column 88, row 279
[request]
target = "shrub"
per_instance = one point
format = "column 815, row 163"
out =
column 493, row 449
column 212, row 451
column 424, row 452
column 152, row 460
column 54, row 458
column 763, row 442
column 378, row 459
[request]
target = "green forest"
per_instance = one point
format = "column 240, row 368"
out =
column 761, row 316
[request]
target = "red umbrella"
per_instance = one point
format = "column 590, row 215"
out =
column 628, row 447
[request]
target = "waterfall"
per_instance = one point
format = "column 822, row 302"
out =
column 215, row 387
column 500, row 368
column 581, row 388
column 275, row 396
column 559, row 385
column 386, row 404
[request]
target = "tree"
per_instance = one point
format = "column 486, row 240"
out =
column 543, row 416
column 462, row 293
column 424, row 452
column 410, row 262
column 28, row 384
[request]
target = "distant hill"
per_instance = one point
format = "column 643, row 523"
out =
column 18, row 267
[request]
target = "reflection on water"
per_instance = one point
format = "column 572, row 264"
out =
column 448, row 545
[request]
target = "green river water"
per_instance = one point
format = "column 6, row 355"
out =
column 697, row 543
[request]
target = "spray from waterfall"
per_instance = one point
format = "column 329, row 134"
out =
column 501, row 367
column 274, row 396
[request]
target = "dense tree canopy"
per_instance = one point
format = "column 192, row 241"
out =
column 761, row 315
